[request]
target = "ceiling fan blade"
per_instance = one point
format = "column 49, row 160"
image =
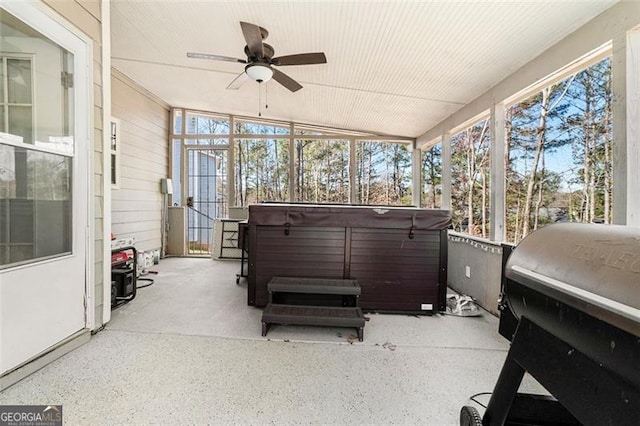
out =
column 301, row 59
column 214, row 57
column 286, row 81
column 253, row 36
column 237, row 82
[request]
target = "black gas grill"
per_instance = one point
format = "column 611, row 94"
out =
column 571, row 309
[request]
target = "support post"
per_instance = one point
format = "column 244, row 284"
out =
column 416, row 187
column 498, row 135
column 625, row 67
column 446, row 171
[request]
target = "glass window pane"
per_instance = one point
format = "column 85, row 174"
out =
column 313, row 131
column 176, row 179
column 322, row 171
column 262, row 170
column 7, row 174
column 177, row 121
column 114, row 136
column 383, row 173
column 35, row 187
column 431, row 196
column 1, row 82
column 114, row 171
column 257, row 128
column 36, row 61
column 19, row 81
column 470, row 179
column 20, row 122
column 35, row 205
column 199, row 124
column 559, row 154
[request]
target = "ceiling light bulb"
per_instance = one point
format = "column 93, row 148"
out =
column 259, row 73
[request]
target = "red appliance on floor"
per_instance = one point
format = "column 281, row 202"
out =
column 123, row 275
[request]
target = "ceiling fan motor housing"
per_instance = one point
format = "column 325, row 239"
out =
column 267, row 49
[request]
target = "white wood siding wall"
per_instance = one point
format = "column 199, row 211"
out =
column 86, row 16
column 136, row 206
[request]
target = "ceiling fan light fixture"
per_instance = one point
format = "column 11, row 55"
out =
column 259, row 73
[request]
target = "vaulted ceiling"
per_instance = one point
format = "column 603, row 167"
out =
column 392, row 67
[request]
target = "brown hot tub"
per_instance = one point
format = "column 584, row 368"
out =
column 397, row 254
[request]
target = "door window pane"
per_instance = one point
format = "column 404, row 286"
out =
column 35, row 205
column 19, row 81
column 20, row 123
column 35, row 184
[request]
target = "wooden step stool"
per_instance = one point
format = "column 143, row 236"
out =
column 285, row 314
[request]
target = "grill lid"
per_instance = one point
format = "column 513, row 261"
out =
column 594, row 268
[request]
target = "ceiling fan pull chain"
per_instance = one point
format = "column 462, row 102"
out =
column 259, row 99
column 266, row 96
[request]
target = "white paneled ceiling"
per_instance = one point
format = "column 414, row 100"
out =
column 393, row 67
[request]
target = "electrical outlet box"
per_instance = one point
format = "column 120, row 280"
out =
column 467, row 271
column 166, row 186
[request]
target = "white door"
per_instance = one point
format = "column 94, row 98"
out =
column 43, row 184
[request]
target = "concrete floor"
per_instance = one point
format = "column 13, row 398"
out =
column 188, row 350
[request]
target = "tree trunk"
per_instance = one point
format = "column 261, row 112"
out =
column 484, row 204
column 367, row 191
column 240, row 190
column 517, row 225
column 246, row 174
column 278, row 188
column 607, row 168
column 587, row 160
column 540, row 190
column 387, row 188
column 536, row 158
column 471, row 162
column 507, row 167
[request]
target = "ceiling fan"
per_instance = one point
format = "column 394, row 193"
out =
column 260, row 60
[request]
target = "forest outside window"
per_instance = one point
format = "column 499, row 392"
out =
column 205, row 124
column 321, row 170
column 383, row 173
column 261, row 170
column 291, row 162
column 470, row 179
column 431, row 172
column 559, row 154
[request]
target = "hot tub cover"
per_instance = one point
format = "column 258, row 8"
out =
column 348, row 216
